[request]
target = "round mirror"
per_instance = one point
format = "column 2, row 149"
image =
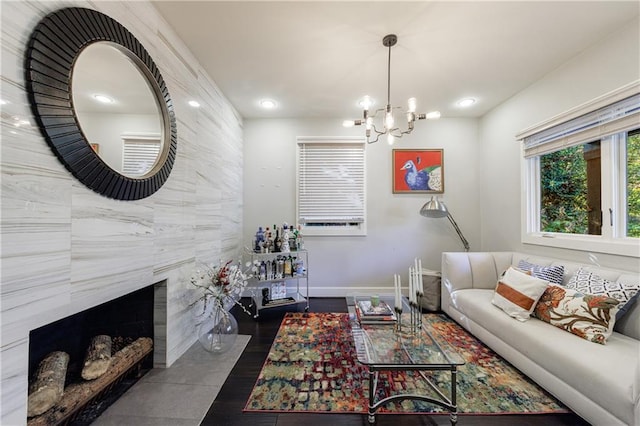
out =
column 120, row 117
column 122, row 149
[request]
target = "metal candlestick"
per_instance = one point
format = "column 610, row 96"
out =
column 399, row 322
column 419, row 308
column 414, row 317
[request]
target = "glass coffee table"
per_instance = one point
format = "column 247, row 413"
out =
column 385, row 348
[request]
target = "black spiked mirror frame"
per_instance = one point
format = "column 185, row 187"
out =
column 53, row 48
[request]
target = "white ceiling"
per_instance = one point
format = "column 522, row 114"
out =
column 317, row 59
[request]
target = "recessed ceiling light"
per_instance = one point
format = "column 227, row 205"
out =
column 194, row 104
column 268, row 103
column 103, row 98
column 466, row 102
column 3, row 102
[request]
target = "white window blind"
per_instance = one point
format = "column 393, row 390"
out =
column 139, row 154
column 331, row 186
column 594, row 122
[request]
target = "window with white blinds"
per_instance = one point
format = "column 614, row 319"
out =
column 331, row 186
column 580, row 176
column 140, row 154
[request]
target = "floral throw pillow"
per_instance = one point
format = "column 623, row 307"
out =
column 589, row 316
column 553, row 274
column 588, row 282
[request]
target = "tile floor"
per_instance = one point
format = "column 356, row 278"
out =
column 175, row 396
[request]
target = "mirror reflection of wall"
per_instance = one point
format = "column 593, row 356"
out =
column 114, row 104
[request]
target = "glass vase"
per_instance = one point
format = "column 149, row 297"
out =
column 218, row 332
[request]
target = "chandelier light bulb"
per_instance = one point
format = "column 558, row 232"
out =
column 366, row 103
column 390, row 139
column 348, row 123
column 369, row 123
column 388, row 120
column 412, row 105
column 433, row 115
column 411, row 117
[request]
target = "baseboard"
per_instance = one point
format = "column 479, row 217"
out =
column 336, row 291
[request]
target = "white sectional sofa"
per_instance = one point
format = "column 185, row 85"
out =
column 601, row 383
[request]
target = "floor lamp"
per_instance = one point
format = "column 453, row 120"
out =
column 436, row 209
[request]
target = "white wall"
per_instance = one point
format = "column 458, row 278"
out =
column 65, row 248
column 396, row 231
column 606, row 66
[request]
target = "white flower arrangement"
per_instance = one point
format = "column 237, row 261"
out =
column 221, row 286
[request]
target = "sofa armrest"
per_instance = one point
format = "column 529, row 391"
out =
column 479, row 270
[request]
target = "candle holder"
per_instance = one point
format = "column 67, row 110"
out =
column 398, row 327
column 411, row 317
column 419, row 295
column 414, row 317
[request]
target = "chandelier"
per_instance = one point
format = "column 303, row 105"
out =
column 388, row 126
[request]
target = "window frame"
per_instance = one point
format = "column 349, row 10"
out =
column 613, row 185
column 339, row 230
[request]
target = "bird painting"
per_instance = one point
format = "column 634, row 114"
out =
column 426, row 179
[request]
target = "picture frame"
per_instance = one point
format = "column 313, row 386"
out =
column 95, row 147
column 417, row 171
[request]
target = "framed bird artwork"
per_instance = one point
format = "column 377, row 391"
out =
column 418, row 170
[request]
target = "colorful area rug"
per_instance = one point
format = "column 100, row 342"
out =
column 312, row 367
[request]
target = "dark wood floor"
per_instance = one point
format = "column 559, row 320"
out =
column 227, row 408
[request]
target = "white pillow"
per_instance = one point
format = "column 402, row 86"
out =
column 517, row 293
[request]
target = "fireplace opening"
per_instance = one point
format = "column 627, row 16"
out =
column 125, row 320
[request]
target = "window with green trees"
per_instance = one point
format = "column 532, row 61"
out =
column 582, row 176
column 570, row 188
column 633, row 183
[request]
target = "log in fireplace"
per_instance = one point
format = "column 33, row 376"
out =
column 128, row 320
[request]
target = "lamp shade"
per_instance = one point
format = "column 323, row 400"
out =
column 434, row 208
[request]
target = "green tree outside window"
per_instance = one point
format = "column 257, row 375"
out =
column 633, row 184
column 563, row 185
column 564, row 188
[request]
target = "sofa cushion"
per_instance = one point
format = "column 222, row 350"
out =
column 589, row 282
column 553, row 274
column 517, row 293
column 589, row 316
column 603, row 373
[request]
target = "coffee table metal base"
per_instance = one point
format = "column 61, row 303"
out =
column 447, row 402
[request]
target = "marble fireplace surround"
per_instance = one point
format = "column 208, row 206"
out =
column 66, row 249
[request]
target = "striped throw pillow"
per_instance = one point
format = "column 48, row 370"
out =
column 517, row 293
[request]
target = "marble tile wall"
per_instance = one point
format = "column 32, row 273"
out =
column 66, row 248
